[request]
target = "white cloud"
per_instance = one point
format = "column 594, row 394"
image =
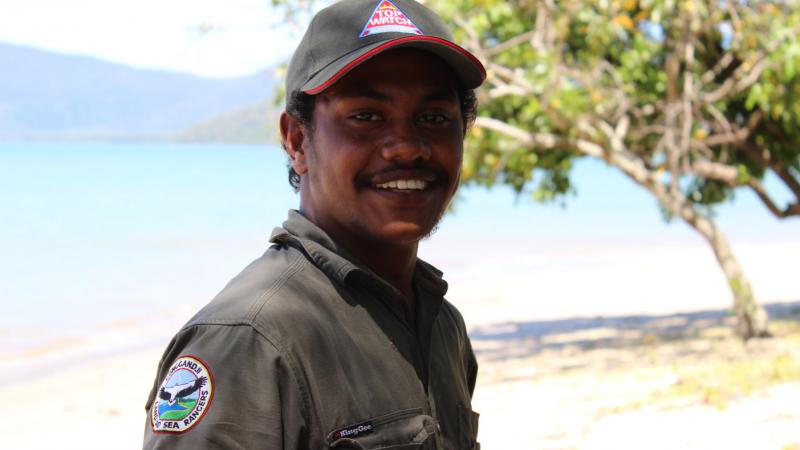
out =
column 206, row 37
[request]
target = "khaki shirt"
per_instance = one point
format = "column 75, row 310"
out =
column 308, row 349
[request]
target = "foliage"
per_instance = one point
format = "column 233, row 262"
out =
column 703, row 94
column 691, row 100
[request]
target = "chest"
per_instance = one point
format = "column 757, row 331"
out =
column 374, row 381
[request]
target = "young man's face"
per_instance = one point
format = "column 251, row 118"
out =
column 384, row 155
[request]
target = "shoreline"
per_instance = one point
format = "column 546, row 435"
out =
column 40, row 362
column 72, row 348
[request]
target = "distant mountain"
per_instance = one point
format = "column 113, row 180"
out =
column 252, row 124
column 50, row 95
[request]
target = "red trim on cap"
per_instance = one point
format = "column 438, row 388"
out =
column 383, row 47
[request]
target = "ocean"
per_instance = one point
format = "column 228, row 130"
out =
column 96, row 234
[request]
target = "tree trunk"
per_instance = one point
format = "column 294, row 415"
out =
column 752, row 320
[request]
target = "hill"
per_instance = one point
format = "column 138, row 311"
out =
column 51, row 95
column 251, row 124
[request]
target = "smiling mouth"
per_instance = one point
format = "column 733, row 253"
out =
column 403, row 185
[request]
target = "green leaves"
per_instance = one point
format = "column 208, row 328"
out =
column 580, row 63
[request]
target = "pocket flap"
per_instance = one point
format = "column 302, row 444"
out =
column 407, row 428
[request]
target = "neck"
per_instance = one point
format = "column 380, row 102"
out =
column 395, row 264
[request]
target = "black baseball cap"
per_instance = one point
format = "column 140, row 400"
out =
column 349, row 32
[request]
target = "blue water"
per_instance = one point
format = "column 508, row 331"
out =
column 101, row 231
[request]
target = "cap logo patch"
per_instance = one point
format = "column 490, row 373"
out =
column 183, row 397
column 388, row 18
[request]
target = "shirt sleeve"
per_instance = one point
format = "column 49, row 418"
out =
column 472, row 367
column 250, row 398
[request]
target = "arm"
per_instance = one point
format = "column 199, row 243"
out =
column 472, row 367
column 250, row 400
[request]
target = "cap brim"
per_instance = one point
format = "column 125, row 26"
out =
column 466, row 67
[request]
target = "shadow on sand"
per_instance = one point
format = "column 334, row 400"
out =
column 515, row 340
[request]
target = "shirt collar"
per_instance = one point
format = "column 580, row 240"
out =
column 300, row 232
column 316, row 244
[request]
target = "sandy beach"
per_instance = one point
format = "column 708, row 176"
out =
column 595, row 384
column 609, row 363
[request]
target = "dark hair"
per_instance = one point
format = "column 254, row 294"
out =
column 301, row 108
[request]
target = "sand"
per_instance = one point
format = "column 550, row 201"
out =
column 570, row 384
column 94, row 405
column 614, row 384
column 548, row 379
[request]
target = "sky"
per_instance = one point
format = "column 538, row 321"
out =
column 205, row 37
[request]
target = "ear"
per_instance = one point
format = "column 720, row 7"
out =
column 293, row 134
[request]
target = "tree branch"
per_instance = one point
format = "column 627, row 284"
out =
column 724, row 62
column 475, row 41
column 513, row 42
column 723, row 121
column 763, row 157
column 792, row 209
column 730, row 176
column 715, row 171
column 539, row 141
column 736, row 137
column 511, row 76
column 503, row 89
column 739, row 81
column 646, row 130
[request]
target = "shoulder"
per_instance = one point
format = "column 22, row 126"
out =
column 451, row 329
column 452, row 318
column 219, row 383
column 268, row 285
column 243, row 354
column 282, row 296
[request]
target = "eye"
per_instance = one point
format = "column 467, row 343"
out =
column 366, row 116
column 434, row 118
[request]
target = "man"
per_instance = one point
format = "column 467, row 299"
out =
column 339, row 337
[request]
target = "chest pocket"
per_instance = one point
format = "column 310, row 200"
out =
column 398, row 430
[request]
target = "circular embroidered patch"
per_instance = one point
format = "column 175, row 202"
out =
column 183, row 397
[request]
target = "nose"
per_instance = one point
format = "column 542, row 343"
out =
column 405, row 143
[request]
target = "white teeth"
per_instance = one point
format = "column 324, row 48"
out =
column 417, row 185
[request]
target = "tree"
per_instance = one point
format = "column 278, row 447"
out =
column 691, row 100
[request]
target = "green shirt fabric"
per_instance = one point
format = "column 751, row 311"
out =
column 309, row 349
